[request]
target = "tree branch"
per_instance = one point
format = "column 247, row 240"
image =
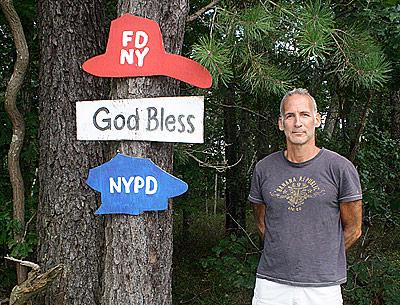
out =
column 35, row 283
column 242, row 108
column 201, row 11
column 245, row 232
column 24, row 263
column 13, row 87
column 218, row 168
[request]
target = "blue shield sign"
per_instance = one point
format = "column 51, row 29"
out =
column 130, row 185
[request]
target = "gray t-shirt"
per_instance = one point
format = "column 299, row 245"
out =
column 304, row 244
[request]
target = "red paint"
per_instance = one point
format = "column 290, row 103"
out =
column 135, row 48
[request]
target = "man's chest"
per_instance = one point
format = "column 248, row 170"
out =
column 297, row 190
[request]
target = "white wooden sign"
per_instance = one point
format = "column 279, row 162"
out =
column 161, row 119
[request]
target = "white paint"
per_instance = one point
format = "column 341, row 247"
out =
column 126, row 37
column 144, row 36
column 140, row 56
column 127, row 184
column 163, row 119
column 138, row 184
column 115, row 186
column 149, row 183
column 128, row 56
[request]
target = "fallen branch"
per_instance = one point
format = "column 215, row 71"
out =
column 34, row 266
column 35, row 283
column 245, row 232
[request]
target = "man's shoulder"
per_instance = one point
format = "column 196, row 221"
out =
column 269, row 159
column 335, row 157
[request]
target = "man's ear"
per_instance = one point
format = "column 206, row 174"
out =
column 280, row 124
column 317, row 122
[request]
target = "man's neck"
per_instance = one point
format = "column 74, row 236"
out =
column 301, row 153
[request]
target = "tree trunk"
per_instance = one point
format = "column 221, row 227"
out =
column 69, row 232
column 363, row 121
column 244, row 154
column 396, row 115
column 234, row 207
column 215, row 190
column 332, row 117
column 267, row 137
column 10, row 105
column 138, row 249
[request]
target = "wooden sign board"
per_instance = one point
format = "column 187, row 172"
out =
column 130, row 185
column 162, row 119
column 135, row 48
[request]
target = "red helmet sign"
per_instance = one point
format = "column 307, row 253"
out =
column 135, row 48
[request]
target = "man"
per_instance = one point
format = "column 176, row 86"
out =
column 308, row 209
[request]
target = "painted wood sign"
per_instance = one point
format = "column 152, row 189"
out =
column 131, row 186
column 135, row 48
column 166, row 119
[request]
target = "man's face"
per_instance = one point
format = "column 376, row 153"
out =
column 299, row 120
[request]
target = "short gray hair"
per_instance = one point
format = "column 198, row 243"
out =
column 299, row 91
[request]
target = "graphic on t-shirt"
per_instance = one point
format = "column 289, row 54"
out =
column 296, row 191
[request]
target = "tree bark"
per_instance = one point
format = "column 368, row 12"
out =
column 138, row 249
column 332, row 117
column 363, row 121
column 10, row 105
column 69, row 233
column 267, row 137
column 396, row 115
column 235, row 180
column 244, row 155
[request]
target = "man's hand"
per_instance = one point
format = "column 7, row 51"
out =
column 259, row 215
column 351, row 216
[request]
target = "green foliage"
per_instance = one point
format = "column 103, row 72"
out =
column 383, row 22
column 23, row 249
column 374, row 281
column 8, row 227
column 316, row 27
column 234, row 261
column 362, row 62
column 197, row 240
column 379, row 167
column 254, row 23
column 215, row 56
column 260, row 76
column 249, row 25
column 240, row 49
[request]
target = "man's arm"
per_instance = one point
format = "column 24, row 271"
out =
column 351, row 216
column 259, row 215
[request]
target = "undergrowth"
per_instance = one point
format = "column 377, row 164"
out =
column 213, row 269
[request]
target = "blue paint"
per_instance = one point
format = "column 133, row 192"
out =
column 130, row 185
